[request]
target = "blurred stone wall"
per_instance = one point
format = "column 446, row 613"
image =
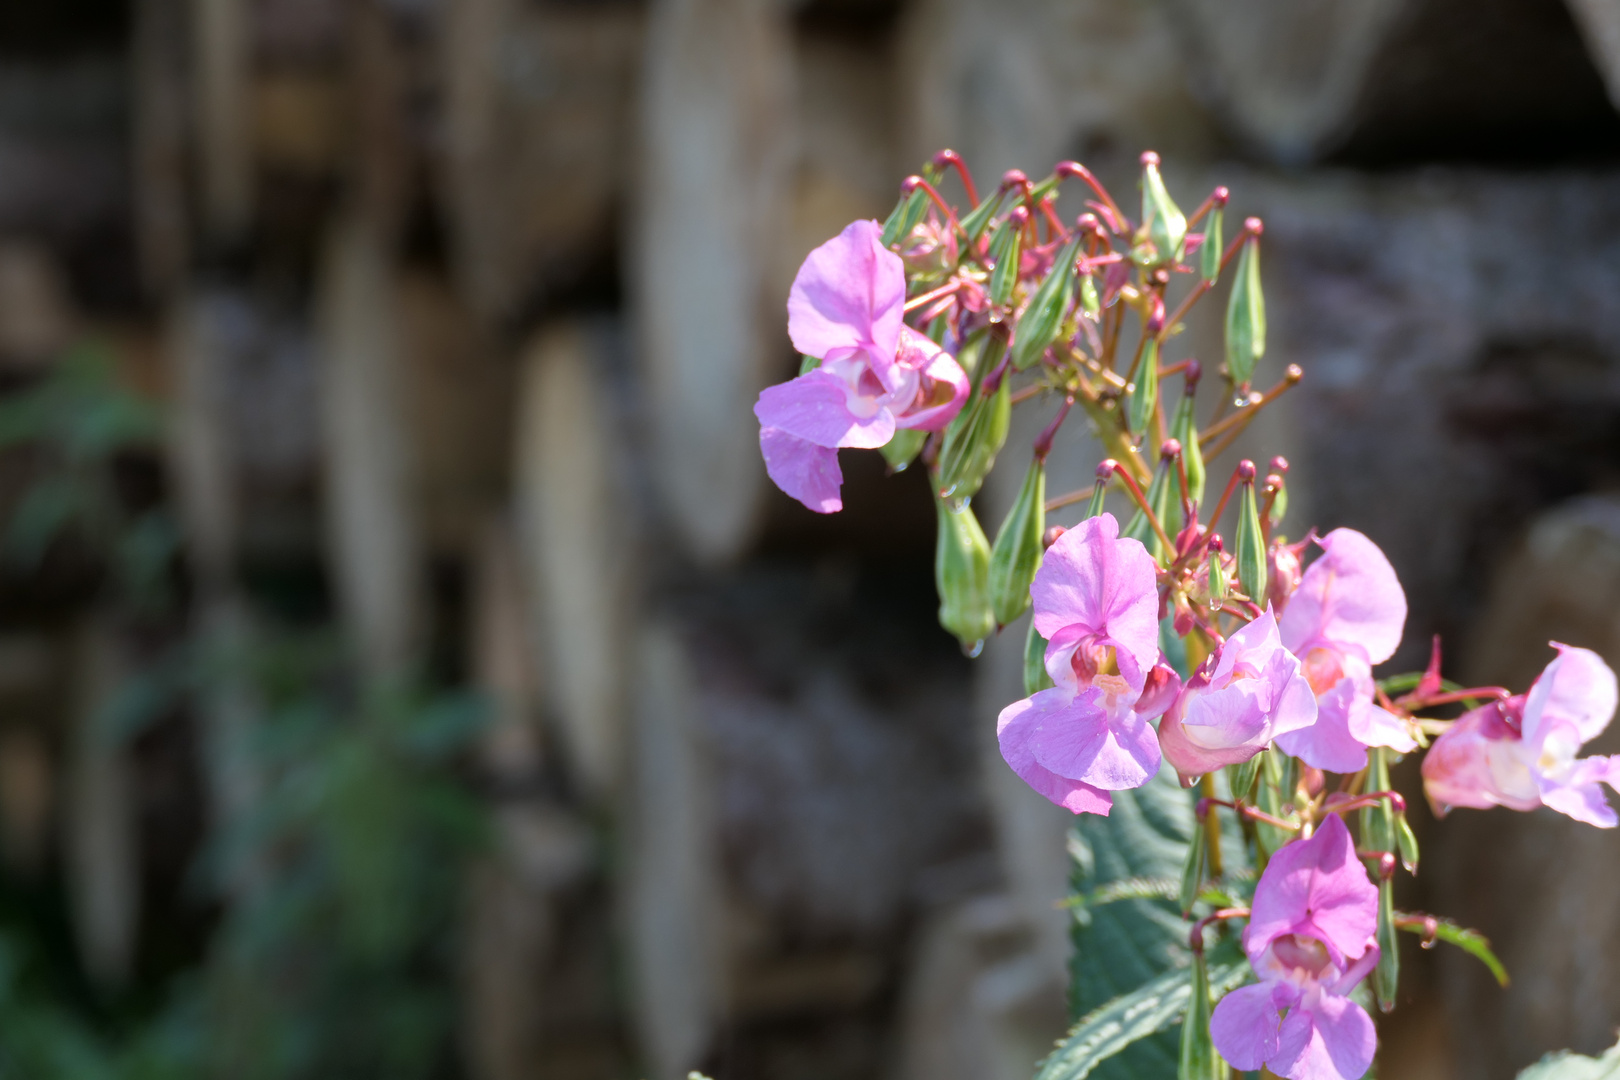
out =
column 460, row 306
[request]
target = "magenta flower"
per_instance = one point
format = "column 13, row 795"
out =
column 876, row 374
column 1520, row 753
column 1243, row 696
column 1346, row 616
column 1097, row 605
column 1310, row 941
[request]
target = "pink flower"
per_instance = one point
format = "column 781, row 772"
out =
column 1243, row 696
column 1520, row 753
column 1346, row 616
column 1097, row 605
column 876, row 374
column 1310, row 941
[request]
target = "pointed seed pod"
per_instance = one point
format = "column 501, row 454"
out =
column 1006, row 246
column 1017, row 552
column 1038, row 326
column 1246, row 312
column 1165, row 223
column 972, row 442
column 1214, row 242
column 1241, row 777
column 1193, row 867
column 961, row 576
column 1144, row 393
column 1184, row 426
column 1387, row 976
column 1199, row 1059
column 1218, row 587
column 1250, row 541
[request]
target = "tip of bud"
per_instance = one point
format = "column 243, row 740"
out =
column 946, row 157
column 1149, row 158
column 1019, row 215
column 1105, row 469
column 1170, row 448
column 1050, row 536
column 1279, row 465
column 1013, row 178
column 1216, row 545
column 1220, row 196
column 1245, row 471
column 1293, row 373
column 910, row 184
column 1088, row 223
column 1254, row 226
column 1161, row 276
column 1193, row 372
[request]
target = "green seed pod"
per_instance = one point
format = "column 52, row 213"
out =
column 1184, row 429
column 1144, row 395
column 1166, row 225
column 1036, row 677
column 1219, row 587
column 1241, row 777
column 972, row 442
column 1245, row 317
column 1406, row 842
column 1213, row 242
column 1090, row 303
column 1161, row 496
column 1006, row 246
column 1199, row 1060
column 1017, row 552
column 1193, row 869
column 1387, row 976
column 979, row 217
column 903, row 449
column 1038, row 325
column 1250, row 541
column 961, row 575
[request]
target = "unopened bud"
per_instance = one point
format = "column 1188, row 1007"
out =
column 972, row 442
column 1250, row 541
column 961, row 576
column 1038, row 326
column 1144, row 393
column 1165, row 224
column 1017, row 552
column 1246, row 315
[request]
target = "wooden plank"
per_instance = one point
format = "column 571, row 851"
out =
column 710, row 188
column 221, row 53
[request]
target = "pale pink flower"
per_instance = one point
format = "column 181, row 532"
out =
column 1346, row 616
column 876, row 374
column 1097, row 605
column 1244, row 695
column 1310, row 940
column 1520, row 753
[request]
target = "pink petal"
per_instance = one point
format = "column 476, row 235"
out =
column 1331, row 1038
column 944, row 387
column 1214, row 729
column 1374, row 725
column 1316, row 887
column 1013, row 729
column 1576, row 687
column 1328, row 744
column 1092, row 579
column 1350, row 597
column 816, row 408
column 1478, row 763
column 1245, row 1023
column 1081, row 739
column 850, row 293
column 1580, row 794
column 804, row 470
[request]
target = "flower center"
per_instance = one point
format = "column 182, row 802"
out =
column 1092, row 659
column 1322, row 670
column 1304, row 956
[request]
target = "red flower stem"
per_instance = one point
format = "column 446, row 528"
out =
column 1397, row 802
column 1220, row 507
column 950, row 288
column 1141, row 501
column 1074, row 168
column 1218, row 197
column 1195, row 938
column 954, row 160
column 1498, row 692
column 1245, row 810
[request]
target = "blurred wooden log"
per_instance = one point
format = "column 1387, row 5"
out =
column 102, row 839
column 503, row 658
column 576, row 542
column 221, row 54
column 710, row 190
column 537, row 124
column 371, row 521
column 158, row 133
column 36, row 311
column 1599, row 21
column 672, row 890
column 1539, row 885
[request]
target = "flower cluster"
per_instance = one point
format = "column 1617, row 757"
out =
column 1160, row 639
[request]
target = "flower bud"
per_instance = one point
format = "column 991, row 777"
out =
column 961, row 575
column 1246, row 315
column 1184, row 426
column 1017, row 552
column 972, row 442
column 1250, row 542
column 1038, row 325
column 1213, row 243
column 1166, row 225
column 903, row 449
column 1006, row 246
column 1144, row 392
column 1036, row 677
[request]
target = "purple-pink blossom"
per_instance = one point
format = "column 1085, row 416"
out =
column 875, row 374
column 1310, row 940
column 1346, row 616
column 1097, row 605
column 1244, row 695
column 1521, row 752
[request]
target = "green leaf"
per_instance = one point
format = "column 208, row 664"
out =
column 1567, row 1066
column 1469, row 941
column 1131, row 1018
